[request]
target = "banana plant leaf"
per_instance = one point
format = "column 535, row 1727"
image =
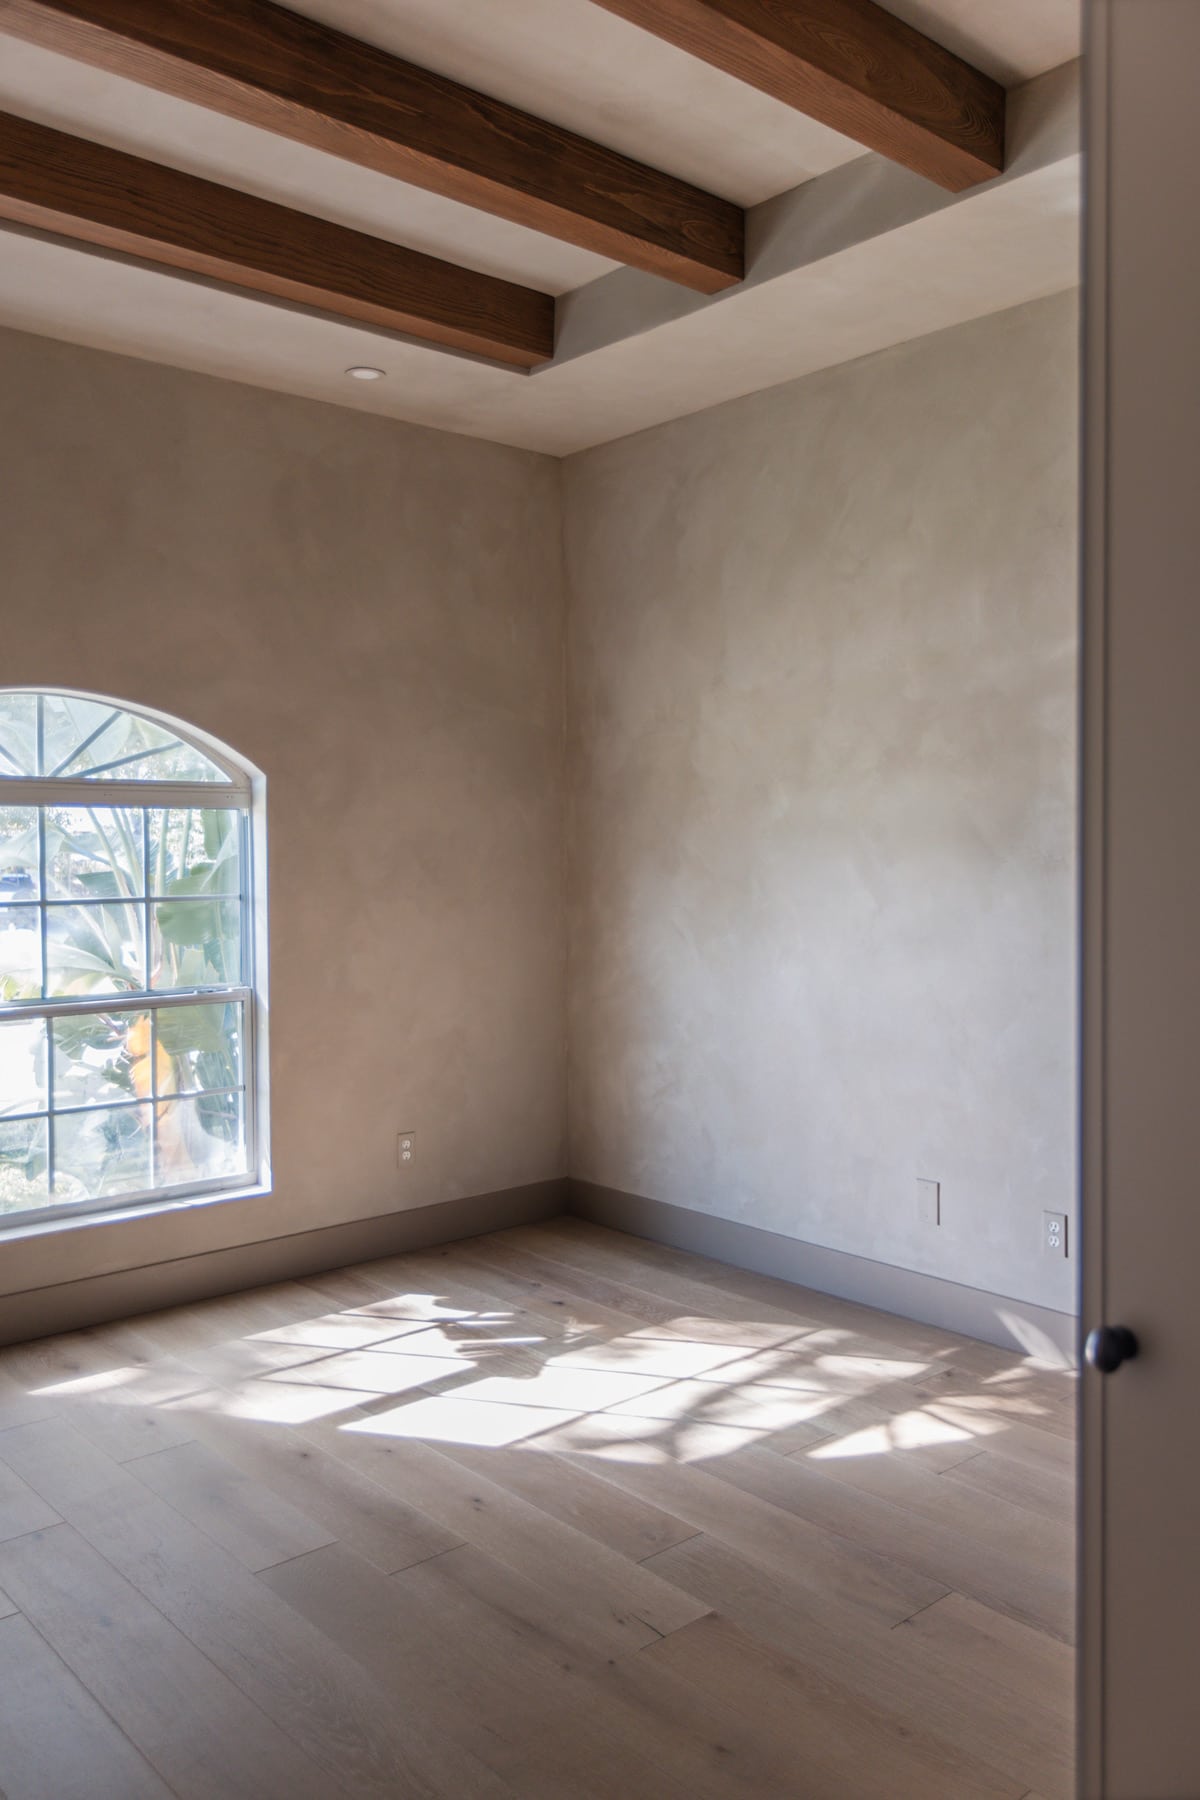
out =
column 193, row 1028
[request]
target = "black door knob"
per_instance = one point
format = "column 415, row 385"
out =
column 1109, row 1346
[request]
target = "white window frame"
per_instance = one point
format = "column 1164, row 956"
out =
column 242, row 793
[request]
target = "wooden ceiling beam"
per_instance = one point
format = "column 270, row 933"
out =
column 96, row 195
column 855, row 67
column 262, row 64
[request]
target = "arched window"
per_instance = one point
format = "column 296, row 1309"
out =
column 127, row 1025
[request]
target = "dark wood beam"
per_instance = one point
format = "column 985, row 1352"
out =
column 101, row 196
column 853, row 66
column 262, row 64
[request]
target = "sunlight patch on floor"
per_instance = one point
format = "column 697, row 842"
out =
column 338, row 1331
column 372, row 1371
column 478, row 1423
column 413, row 1365
column 569, row 1390
column 871, row 1368
column 273, row 1403
column 908, row 1431
column 102, row 1382
column 465, row 1341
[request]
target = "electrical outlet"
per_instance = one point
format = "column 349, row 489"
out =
column 1054, row 1234
column 929, row 1202
column 405, row 1148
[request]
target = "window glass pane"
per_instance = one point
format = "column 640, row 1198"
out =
column 20, row 953
column 195, row 852
column 86, row 738
column 23, row 1176
column 101, row 1056
column 18, row 853
column 22, row 1065
column 201, row 1140
column 68, row 723
column 94, row 853
column 133, row 749
column 168, row 761
column 18, row 734
column 195, row 943
column 95, row 949
column 102, row 904
column 106, row 1151
column 199, row 1047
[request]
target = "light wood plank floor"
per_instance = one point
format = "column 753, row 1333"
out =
column 555, row 1513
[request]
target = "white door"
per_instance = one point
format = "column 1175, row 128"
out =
column 1140, row 1653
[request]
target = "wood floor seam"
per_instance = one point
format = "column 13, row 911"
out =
column 650, row 1554
column 112, row 1719
column 221, row 1676
column 922, row 1609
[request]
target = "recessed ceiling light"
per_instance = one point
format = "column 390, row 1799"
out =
column 360, row 372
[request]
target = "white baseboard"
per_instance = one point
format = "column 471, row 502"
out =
column 99, row 1299
column 972, row 1312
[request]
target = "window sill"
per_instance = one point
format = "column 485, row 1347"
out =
column 122, row 1215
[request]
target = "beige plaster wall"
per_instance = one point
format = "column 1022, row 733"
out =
column 822, row 689
column 822, row 679
column 372, row 613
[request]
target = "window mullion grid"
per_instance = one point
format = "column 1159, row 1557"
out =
column 32, row 790
column 146, row 886
column 43, row 914
column 87, row 743
column 124, row 1002
column 207, row 1093
column 153, row 1098
column 92, row 1106
column 51, row 1147
column 246, row 903
column 50, row 1007
column 43, row 933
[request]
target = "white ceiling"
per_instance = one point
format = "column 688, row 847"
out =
column 575, row 63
